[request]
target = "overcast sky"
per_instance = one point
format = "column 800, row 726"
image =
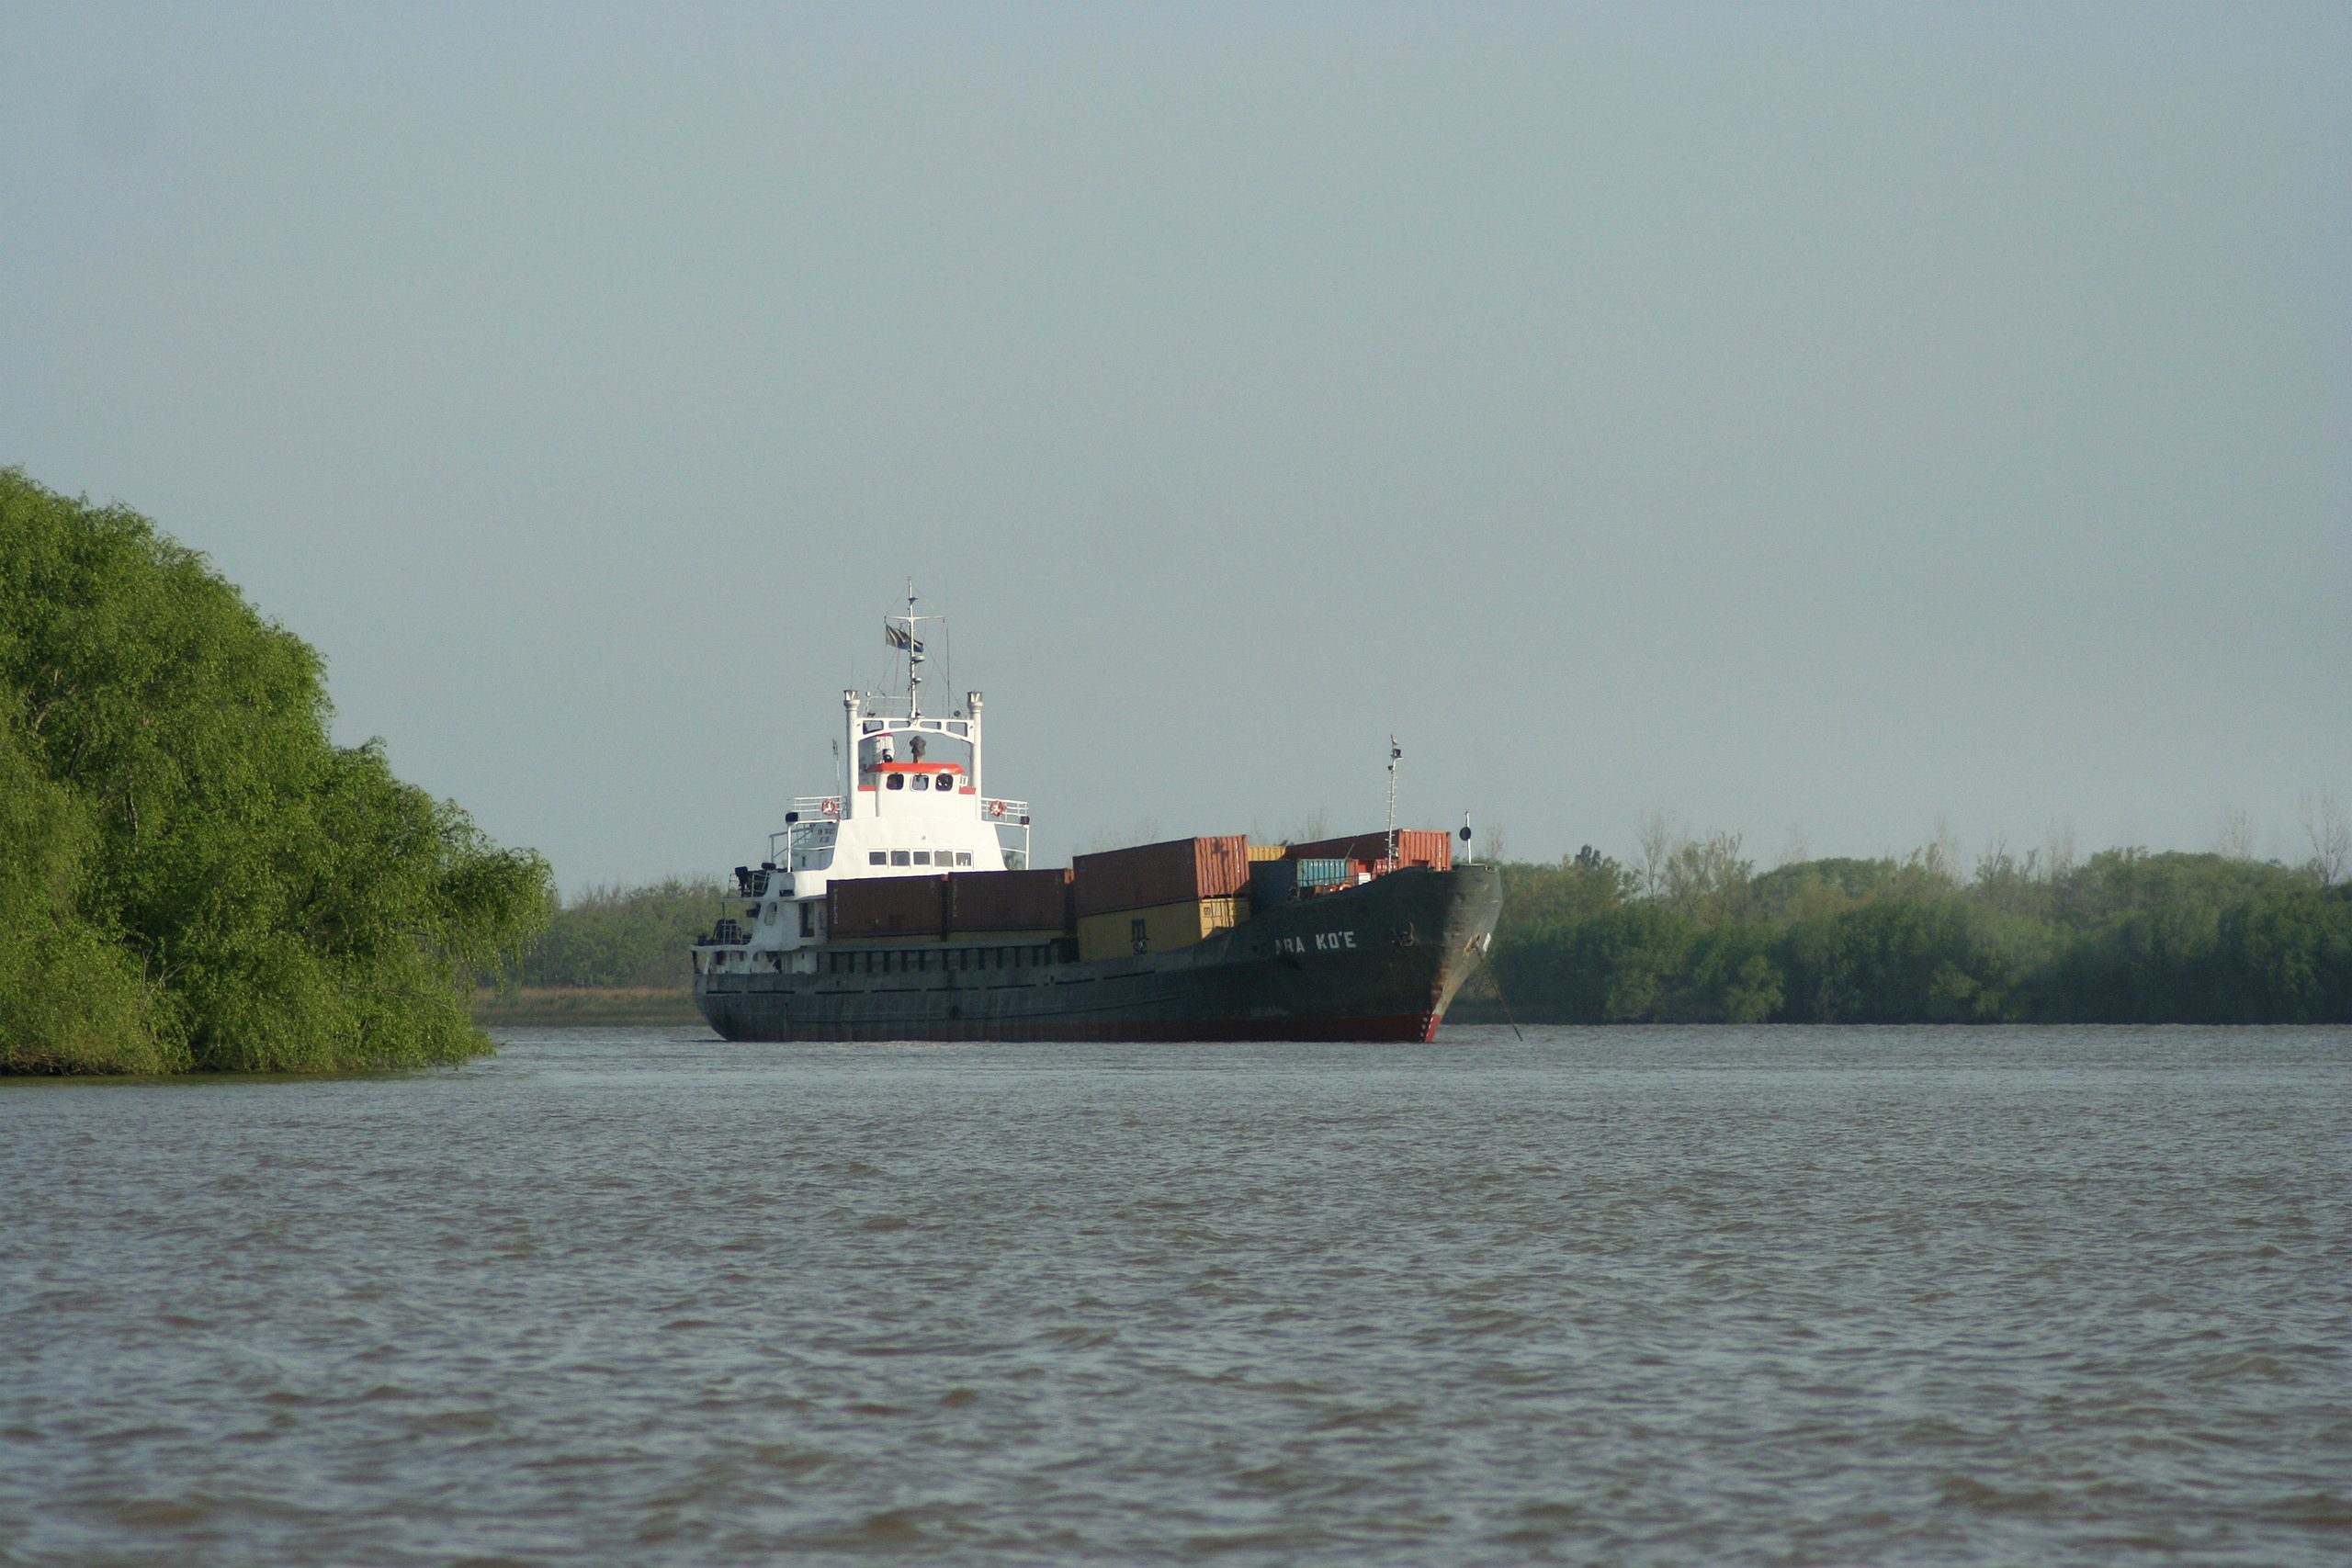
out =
column 1840, row 418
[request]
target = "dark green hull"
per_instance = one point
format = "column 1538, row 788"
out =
column 1380, row 961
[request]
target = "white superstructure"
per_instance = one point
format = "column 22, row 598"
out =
column 910, row 806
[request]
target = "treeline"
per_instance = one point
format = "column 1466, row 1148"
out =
column 192, row 875
column 621, row 938
column 2129, row 936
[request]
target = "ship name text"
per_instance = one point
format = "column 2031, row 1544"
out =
column 1324, row 942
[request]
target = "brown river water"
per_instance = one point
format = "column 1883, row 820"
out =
column 1606, row 1296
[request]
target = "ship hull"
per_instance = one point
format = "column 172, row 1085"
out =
column 1378, row 961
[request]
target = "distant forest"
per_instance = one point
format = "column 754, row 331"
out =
column 622, row 938
column 1696, row 934
column 2129, row 936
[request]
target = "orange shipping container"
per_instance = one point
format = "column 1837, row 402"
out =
column 1145, row 875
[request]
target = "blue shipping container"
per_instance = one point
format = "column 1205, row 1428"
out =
column 1321, row 872
column 1271, row 881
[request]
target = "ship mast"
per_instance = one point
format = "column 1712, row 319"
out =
column 914, row 658
column 1394, row 751
column 904, row 633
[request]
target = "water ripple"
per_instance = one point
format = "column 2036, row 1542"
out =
column 1785, row 1296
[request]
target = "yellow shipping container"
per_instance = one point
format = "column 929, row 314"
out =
column 1160, row 929
column 1267, row 851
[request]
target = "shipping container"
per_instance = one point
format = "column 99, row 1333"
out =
column 1148, row 875
column 1415, row 846
column 1009, row 901
column 1160, row 929
column 913, row 907
column 1323, row 873
column 1267, row 851
column 1272, row 882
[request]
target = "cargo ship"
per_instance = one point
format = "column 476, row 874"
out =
column 903, row 907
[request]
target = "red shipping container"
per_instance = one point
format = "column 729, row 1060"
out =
column 1415, row 846
column 888, row 905
column 1169, row 873
column 1009, row 901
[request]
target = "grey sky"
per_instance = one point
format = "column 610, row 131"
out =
column 1831, row 416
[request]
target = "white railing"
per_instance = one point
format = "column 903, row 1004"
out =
column 1010, row 819
column 816, row 817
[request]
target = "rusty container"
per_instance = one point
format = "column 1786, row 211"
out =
column 1173, row 871
column 914, row 907
column 1009, row 901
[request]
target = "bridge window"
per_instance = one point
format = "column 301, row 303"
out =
column 900, row 857
column 876, row 857
column 922, row 857
column 898, row 781
column 962, row 857
column 922, row 781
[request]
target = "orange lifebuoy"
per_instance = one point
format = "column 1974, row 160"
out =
column 996, row 808
column 831, row 808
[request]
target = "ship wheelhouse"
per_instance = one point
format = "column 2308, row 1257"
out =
column 911, row 803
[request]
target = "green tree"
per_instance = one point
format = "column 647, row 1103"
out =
column 623, row 936
column 234, row 890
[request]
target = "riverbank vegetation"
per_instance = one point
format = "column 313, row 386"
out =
column 2128, row 936
column 610, row 955
column 617, row 938
column 193, row 877
column 1697, row 934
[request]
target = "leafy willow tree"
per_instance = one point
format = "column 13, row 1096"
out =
column 193, row 877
